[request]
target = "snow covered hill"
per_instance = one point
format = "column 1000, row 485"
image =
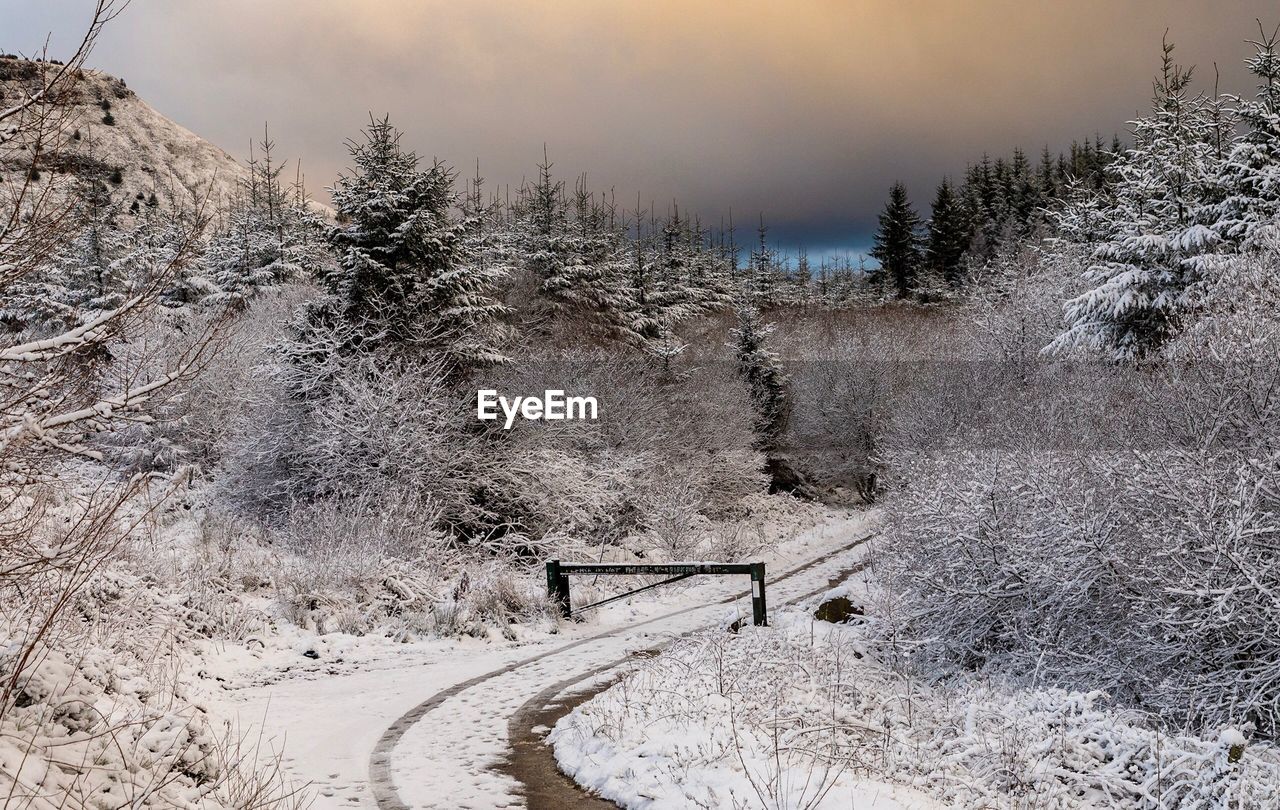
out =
column 119, row 139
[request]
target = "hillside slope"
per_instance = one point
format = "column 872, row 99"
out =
column 120, row 139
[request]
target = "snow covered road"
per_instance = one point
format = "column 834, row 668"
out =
column 430, row 727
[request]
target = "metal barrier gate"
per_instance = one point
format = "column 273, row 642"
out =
column 558, row 581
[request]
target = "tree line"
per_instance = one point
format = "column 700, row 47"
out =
column 999, row 202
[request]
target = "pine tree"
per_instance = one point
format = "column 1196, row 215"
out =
column 271, row 234
column 674, row 294
column 763, row 374
column 550, row 255
column 1147, row 234
column 607, row 299
column 823, row 288
column 1249, row 183
column 1048, row 182
column 765, row 278
column 403, row 281
column 803, row 280
column 897, row 243
column 83, row 279
column 575, row 256
column 647, row 316
column 948, row 235
column 158, row 236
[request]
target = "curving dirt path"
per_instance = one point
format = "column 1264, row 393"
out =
column 533, row 762
column 422, row 760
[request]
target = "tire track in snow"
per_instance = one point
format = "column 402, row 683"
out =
column 381, row 779
column 533, row 762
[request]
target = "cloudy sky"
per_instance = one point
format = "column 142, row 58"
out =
column 803, row 110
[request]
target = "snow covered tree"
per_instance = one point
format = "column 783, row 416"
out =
column 897, row 243
column 766, row 276
column 708, row 275
column 798, row 278
column 549, row 253
column 763, row 374
column 675, row 274
column 687, row 282
column 151, row 250
column 83, row 278
column 1250, row 177
column 573, row 254
column 1151, row 244
column 271, row 234
column 403, row 281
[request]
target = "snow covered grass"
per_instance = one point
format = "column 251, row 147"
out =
column 106, row 714
column 803, row 714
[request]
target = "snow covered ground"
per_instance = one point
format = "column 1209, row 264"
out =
column 327, row 701
column 123, row 141
column 802, row 714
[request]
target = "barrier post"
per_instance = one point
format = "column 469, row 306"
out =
column 759, row 610
column 558, row 587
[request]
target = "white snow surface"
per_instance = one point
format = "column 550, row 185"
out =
column 327, row 710
column 804, row 714
column 153, row 153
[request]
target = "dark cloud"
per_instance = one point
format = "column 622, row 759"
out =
column 805, row 110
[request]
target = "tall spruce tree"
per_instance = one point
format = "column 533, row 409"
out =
column 948, row 235
column 1249, row 183
column 1148, row 233
column 270, row 234
column 763, row 374
column 897, row 243
column 403, row 281
column 765, row 277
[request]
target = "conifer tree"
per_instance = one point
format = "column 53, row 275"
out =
column 85, row 277
column 897, row 243
column 762, row 276
column 803, row 280
column 403, row 282
column 1249, row 183
column 675, row 295
column 763, row 374
column 647, row 317
column 271, row 234
column 1148, row 234
column 573, row 252
column 948, row 235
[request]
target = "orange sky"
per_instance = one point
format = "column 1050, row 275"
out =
column 803, row 109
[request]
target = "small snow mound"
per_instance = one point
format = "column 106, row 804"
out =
column 1231, row 737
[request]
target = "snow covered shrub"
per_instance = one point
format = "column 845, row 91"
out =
column 687, row 430
column 196, row 426
column 805, row 714
column 494, row 594
column 353, row 564
column 383, row 427
column 381, row 565
column 103, row 728
column 706, row 724
column 201, row 419
column 846, row 370
column 1112, row 527
column 214, row 564
column 95, row 706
